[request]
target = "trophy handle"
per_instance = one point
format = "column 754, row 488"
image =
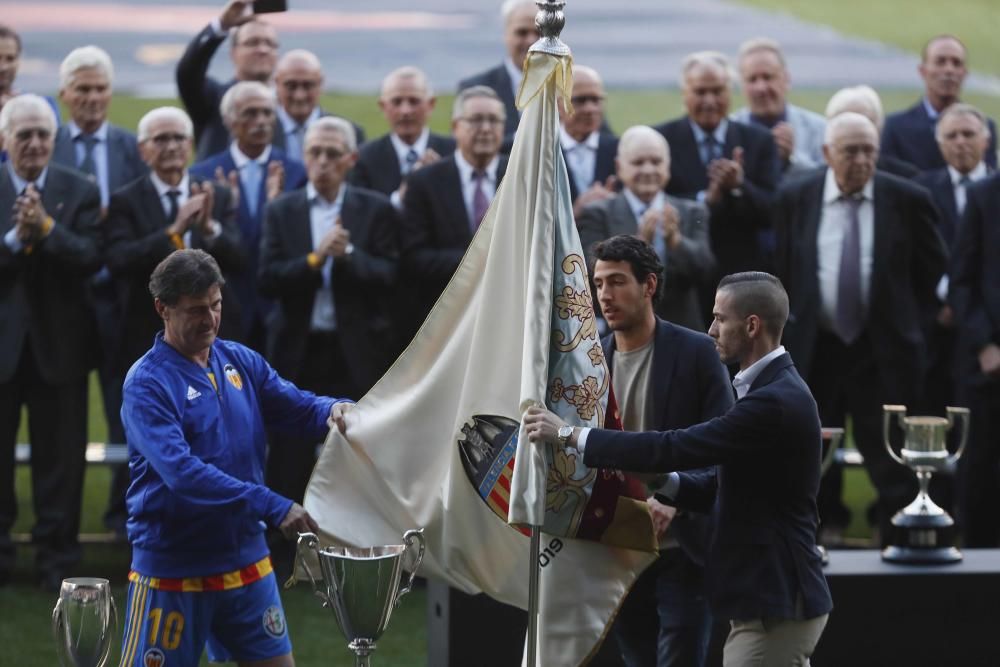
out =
column 834, row 436
column 408, row 537
column 310, row 541
column 113, row 630
column 887, row 412
column 960, row 415
column 57, row 631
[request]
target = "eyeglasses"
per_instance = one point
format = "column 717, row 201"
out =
column 479, row 121
column 332, row 154
column 168, row 138
column 27, row 134
column 580, row 100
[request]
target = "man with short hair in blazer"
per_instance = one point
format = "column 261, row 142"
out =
column 677, row 229
column 254, row 52
column 763, row 572
column 383, row 164
column 730, row 166
column 50, row 246
column 445, row 203
column 664, row 376
column 861, row 256
column 589, row 150
column 909, row 135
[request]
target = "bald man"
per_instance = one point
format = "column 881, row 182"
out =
column 589, row 149
column 860, row 254
column 299, row 83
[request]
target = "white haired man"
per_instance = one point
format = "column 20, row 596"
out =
column 865, row 101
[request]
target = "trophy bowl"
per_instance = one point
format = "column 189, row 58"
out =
column 83, row 622
column 922, row 532
column 361, row 585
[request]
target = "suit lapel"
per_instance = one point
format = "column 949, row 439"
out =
column 64, row 151
column 7, row 197
column 390, row 159
column 351, row 216
column 299, row 225
column 150, row 201
column 664, row 360
column 622, row 218
column 115, row 155
column 810, row 235
column 688, row 155
column 770, row 371
column 881, row 246
column 455, row 201
column 54, row 196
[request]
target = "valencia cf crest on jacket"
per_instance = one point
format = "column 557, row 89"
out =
column 233, row 376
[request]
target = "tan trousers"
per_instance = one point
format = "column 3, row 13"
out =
column 772, row 642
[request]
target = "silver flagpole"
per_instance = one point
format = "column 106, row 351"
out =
column 550, row 21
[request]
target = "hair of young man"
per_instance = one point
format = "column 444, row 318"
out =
column 761, row 294
column 188, row 272
column 639, row 255
column 6, row 32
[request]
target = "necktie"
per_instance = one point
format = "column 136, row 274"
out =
column 295, row 143
column 480, row 202
column 410, row 161
column 850, row 309
column 711, row 149
column 251, row 185
column 172, row 207
column 87, row 165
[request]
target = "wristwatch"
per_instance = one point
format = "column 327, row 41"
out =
column 564, row 433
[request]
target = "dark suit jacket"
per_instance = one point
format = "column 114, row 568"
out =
column 909, row 135
column 279, row 133
column 135, row 243
column 124, row 163
column 244, row 282
column 938, row 181
column 762, row 558
column 497, row 79
column 201, row 94
column 361, row 283
column 689, row 385
column 43, row 293
column 909, row 259
column 740, row 230
column 378, row 168
column 434, row 234
column 604, row 164
column 688, row 267
column 975, row 276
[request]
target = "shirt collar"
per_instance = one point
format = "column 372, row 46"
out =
column 240, row 160
column 831, row 191
column 101, row 134
column 638, row 206
column 289, row 124
column 569, row 143
column 465, row 170
column 745, row 378
column 719, row 132
column 769, row 123
column 162, row 188
column 316, row 199
column 402, row 148
column 514, row 72
column 978, row 172
column 20, row 184
column 932, row 113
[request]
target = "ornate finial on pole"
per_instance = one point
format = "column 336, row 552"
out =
column 550, row 21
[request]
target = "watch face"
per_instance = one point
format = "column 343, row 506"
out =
column 565, row 431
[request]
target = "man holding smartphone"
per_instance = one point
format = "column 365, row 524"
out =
column 254, row 51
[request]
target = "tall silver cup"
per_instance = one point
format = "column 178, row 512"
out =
column 923, row 532
column 362, row 586
column 83, row 622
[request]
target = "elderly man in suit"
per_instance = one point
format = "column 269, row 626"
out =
column 763, row 571
column 299, row 82
column 866, row 101
column 909, row 135
column 254, row 52
column 329, row 259
column 797, row 132
column 446, row 201
column 406, row 101
column 730, row 166
column 665, row 620
column 588, row 149
column 50, row 245
column 519, row 33
column 257, row 172
column 676, row 228
column 861, row 256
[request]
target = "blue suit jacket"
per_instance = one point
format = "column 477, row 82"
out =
column 909, row 135
column 245, row 282
column 762, row 561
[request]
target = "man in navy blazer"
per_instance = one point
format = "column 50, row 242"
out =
column 258, row 172
column 254, row 52
column 763, row 572
column 664, row 376
column 975, row 295
column 909, row 134
column 588, row 149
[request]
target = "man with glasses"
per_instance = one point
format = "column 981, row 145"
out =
column 329, row 259
column 446, row 201
column 254, row 52
column 299, row 83
column 588, row 149
column 256, row 172
column 50, row 245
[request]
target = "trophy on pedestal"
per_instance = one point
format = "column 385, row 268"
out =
column 361, row 585
column 922, row 532
column 83, row 621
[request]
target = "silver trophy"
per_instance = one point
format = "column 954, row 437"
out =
column 83, row 622
column 361, row 585
column 922, row 532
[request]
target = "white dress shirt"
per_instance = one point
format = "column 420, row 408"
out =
column 322, row 217
column 746, row 377
column 465, row 172
column 582, row 157
column 833, row 221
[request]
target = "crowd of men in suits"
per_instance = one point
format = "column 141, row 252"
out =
column 335, row 248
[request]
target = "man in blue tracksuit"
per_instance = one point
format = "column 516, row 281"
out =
column 196, row 411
